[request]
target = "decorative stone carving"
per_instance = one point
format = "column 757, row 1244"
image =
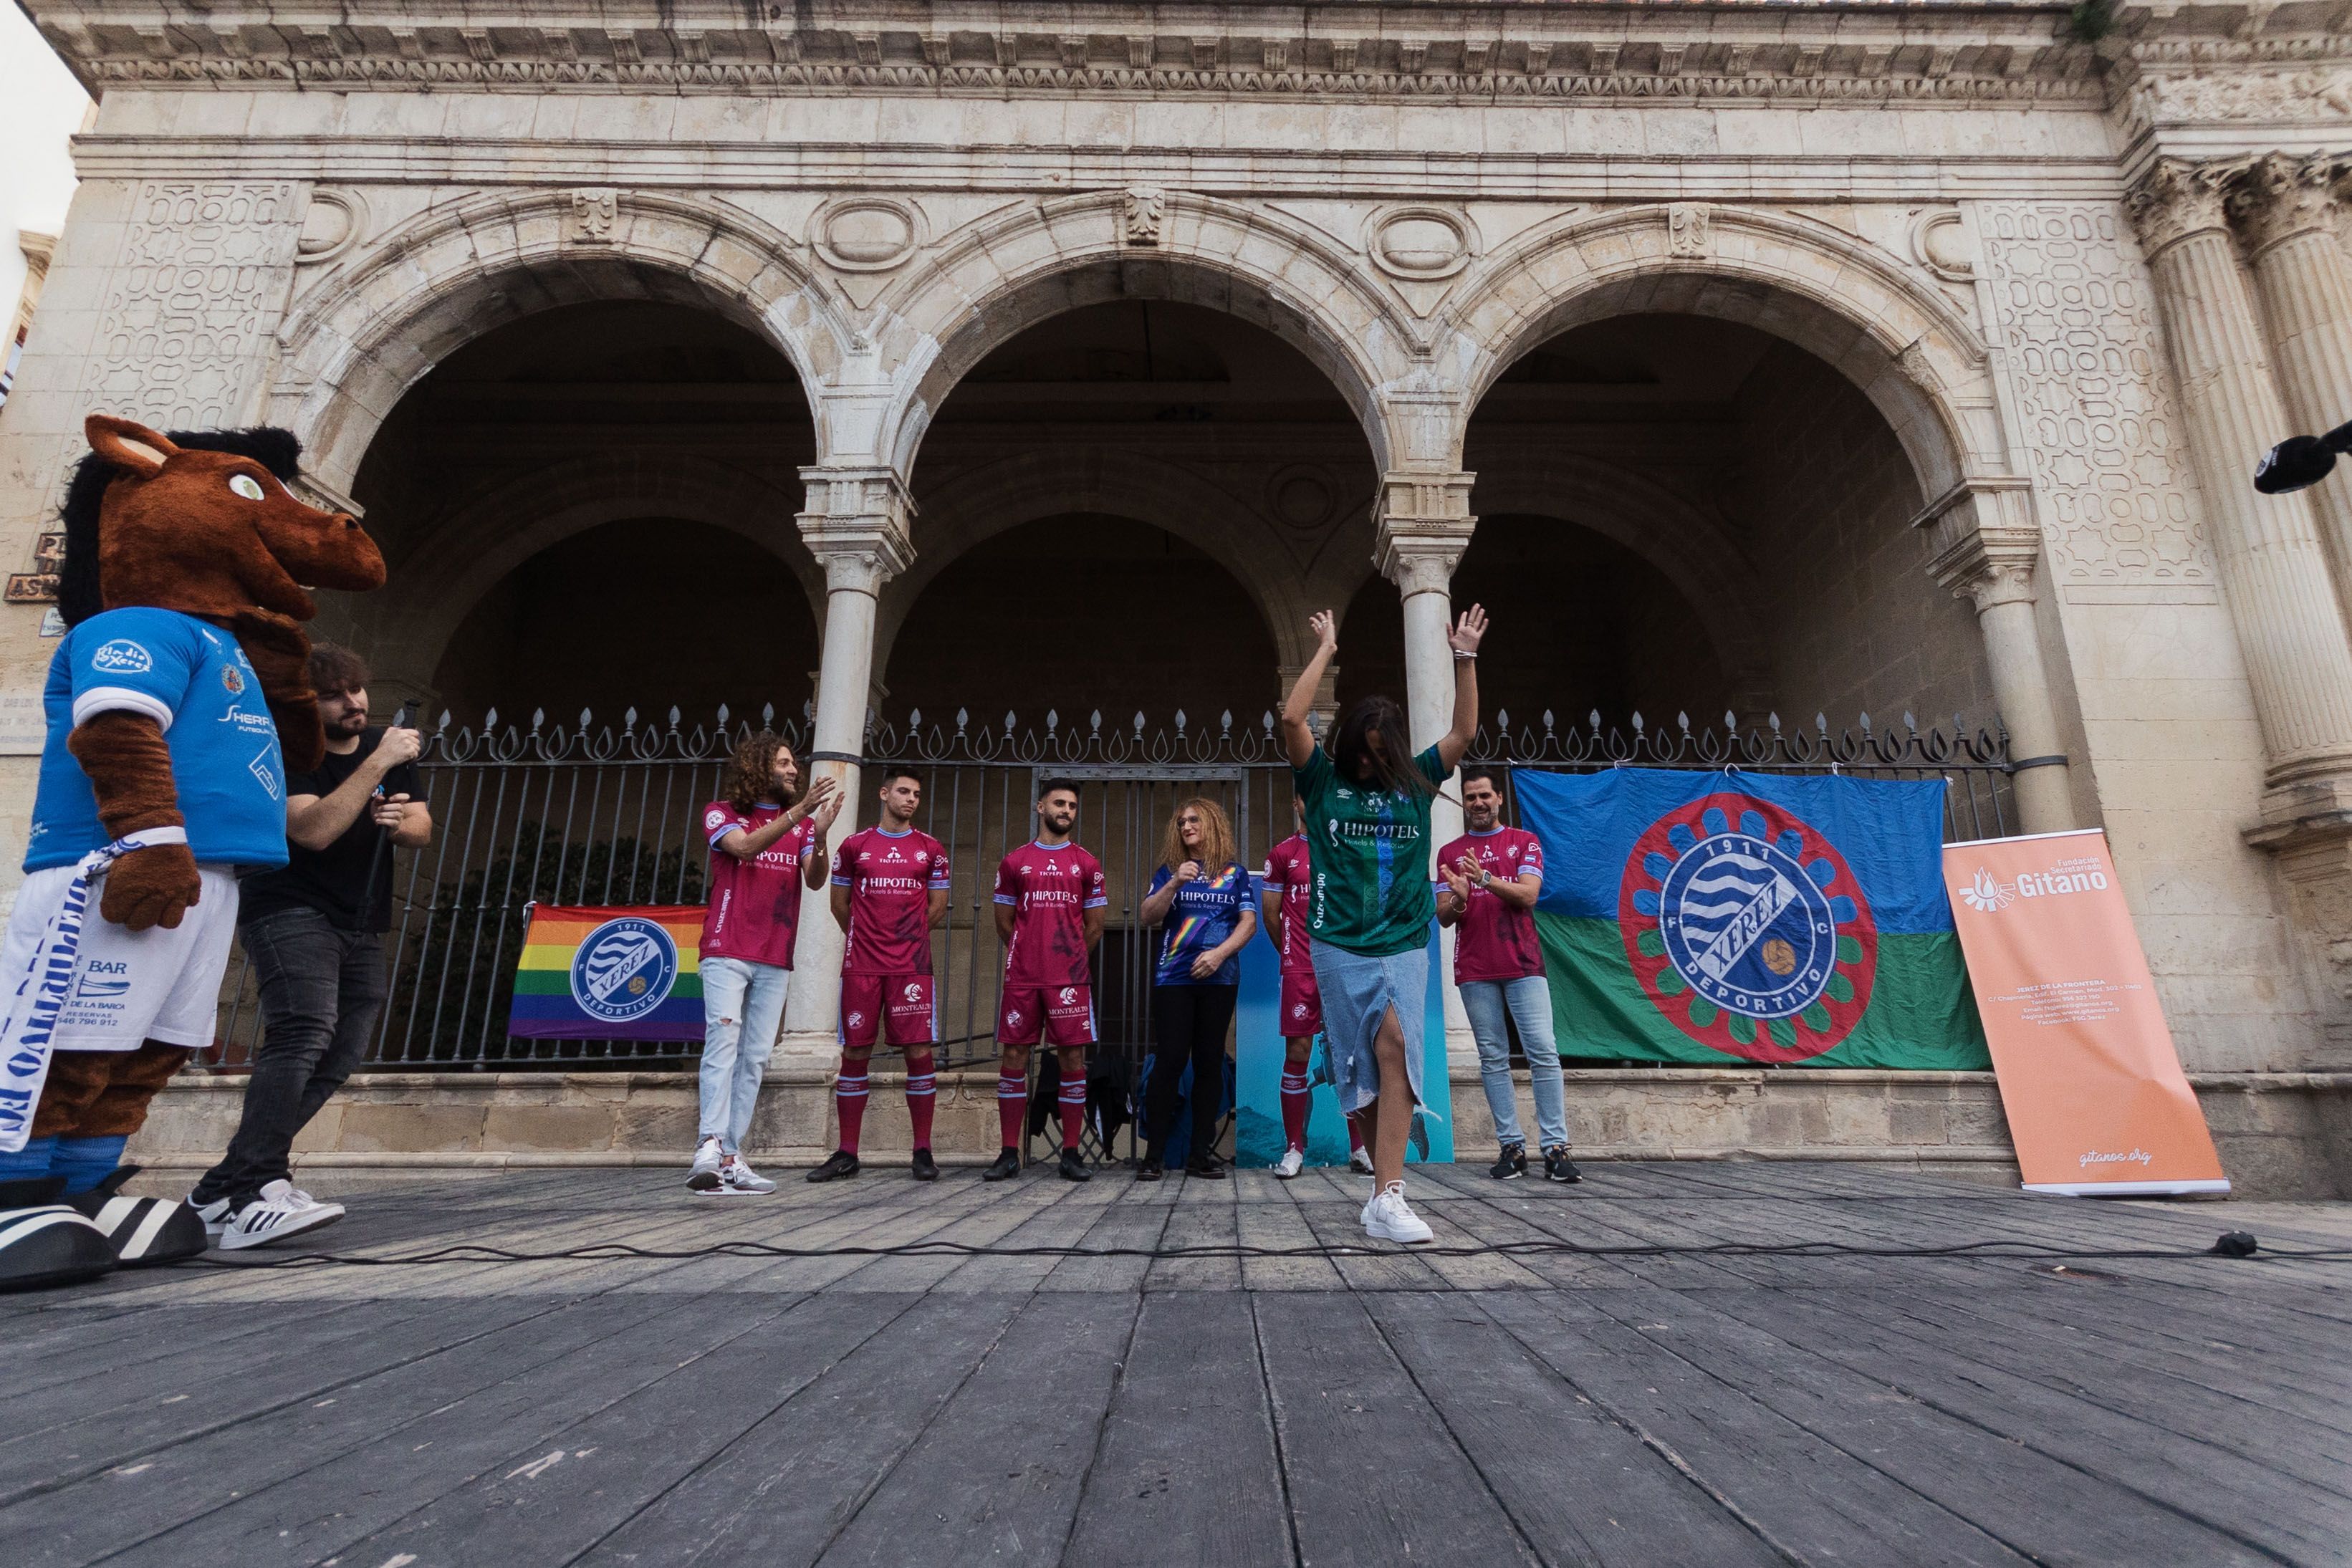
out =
column 1421, row 243
column 203, row 272
column 2073, row 304
column 867, row 233
column 336, row 221
column 2279, row 197
column 1141, row 214
column 1686, row 224
column 1939, row 244
column 2174, row 200
column 594, row 214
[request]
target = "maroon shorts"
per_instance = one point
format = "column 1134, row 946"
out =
column 1065, row 1015
column 1302, row 1005
column 895, row 1007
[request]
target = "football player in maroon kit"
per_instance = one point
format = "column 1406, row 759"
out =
column 1282, row 899
column 1049, row 915
column 889, row 888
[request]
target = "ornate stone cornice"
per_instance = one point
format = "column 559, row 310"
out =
column 1856, row 54
column 1422, row 526
column 2278, row 197
column 2174, row 200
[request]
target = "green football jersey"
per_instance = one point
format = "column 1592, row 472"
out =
column 1371, row 892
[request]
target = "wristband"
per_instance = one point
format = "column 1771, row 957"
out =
column 1461, row 657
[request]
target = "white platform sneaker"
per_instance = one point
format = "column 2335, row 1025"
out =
column 1389, row 1219
column 737, row 1178
column 1293, row 1161
column 708, row 1158
column 280, row 1212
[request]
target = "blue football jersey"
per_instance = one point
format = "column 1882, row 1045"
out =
column 193, row 681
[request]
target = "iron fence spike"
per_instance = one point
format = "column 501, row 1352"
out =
column 1094, row 721
column 537, row 718
column 629, row 718
column 767, row 716
column 490, row 719
column 722, row 714
column 1053, row 720
column 1910, row 723
column 673, row 715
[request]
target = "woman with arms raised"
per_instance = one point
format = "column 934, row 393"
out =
column 1367, row 805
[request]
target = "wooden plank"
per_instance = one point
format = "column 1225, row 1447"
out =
column 2218, row 1508
column 296, row 1452
column 1136, row 1218
column 1814, row 1503
column 1579, row 1486
column 1404, row 1491
column 536, row 1490
column 1000, row 1473
column 781, row 1492
column 1187, row 1463
column 1203, row 1214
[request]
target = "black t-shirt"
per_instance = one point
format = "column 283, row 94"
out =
column 333, row 880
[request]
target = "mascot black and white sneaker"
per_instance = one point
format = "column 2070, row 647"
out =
column 43, row 1242
column 213, row 1213
column 144, row 1230
column 280, row 1212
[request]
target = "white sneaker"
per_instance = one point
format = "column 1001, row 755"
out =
column 274, row 1217
column 708, row 1158
column 1388, row 1218
column 213, row 1213
column 737, row 1178
column 1360, row 1161
column 1292, row 1162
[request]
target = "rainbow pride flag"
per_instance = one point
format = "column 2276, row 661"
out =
column 593, row 973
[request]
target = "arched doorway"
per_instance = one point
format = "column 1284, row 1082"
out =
column 1756, row 480
column 1084, row 613
column 592, row 506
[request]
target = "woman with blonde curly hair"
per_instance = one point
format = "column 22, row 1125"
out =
column 1207, row 909
column 767, row 844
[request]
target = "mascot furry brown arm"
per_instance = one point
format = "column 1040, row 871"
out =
column 174, row 704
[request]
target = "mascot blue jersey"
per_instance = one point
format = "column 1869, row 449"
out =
column 193, row 680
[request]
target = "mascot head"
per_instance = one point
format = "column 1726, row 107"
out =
column 204, row 524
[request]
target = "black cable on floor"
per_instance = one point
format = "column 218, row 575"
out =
column 2236, row 1244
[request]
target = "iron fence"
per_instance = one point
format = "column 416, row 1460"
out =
column 599, row 813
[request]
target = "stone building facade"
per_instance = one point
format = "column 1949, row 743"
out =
column 1749, row 359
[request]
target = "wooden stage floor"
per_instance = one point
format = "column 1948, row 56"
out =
column 1226, row 1410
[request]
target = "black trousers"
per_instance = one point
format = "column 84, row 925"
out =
column 1189, row 1024
column 321, row 991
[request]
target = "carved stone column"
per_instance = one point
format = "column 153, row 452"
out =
column 2273, row 571
column 856, row 526
column 1987, row 547
column 1424, row 527
column 2286, row 209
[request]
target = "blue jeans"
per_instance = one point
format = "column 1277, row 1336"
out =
column 1529, row 1001
column 742, row 1007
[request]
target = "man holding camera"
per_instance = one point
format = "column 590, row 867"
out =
column 313, row 932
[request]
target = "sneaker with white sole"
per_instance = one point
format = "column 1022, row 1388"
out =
column 1293, row 1161
column 213, row 1213
column 1360, row 1161
column 708, row 1157
column 1388, row 1218
column 275, row 1215
column 738, row 1179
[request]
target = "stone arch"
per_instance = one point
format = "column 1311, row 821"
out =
column 1033, row 485
column 1005, row 274
column 1688, row 546
column 1910, row 350
column 439, row 577
column 390, row 311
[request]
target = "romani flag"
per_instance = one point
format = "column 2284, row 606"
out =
column 1727, row 919
column 595, row 973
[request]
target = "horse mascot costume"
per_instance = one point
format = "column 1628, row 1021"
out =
column 176, row 704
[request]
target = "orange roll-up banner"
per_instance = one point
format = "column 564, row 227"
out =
column 2096, row 1101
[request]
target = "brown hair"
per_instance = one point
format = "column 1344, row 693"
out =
column 1390, row 769
column 751, row 772
column 335, row 668
column 1216, row 837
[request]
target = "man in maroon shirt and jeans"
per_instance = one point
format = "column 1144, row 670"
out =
column 1491, row 877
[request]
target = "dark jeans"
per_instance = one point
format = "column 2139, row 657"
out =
column 1189, row 1022
column 321, row 989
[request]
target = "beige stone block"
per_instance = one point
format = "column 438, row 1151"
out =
column 550, row 1129
column 441, row 1129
